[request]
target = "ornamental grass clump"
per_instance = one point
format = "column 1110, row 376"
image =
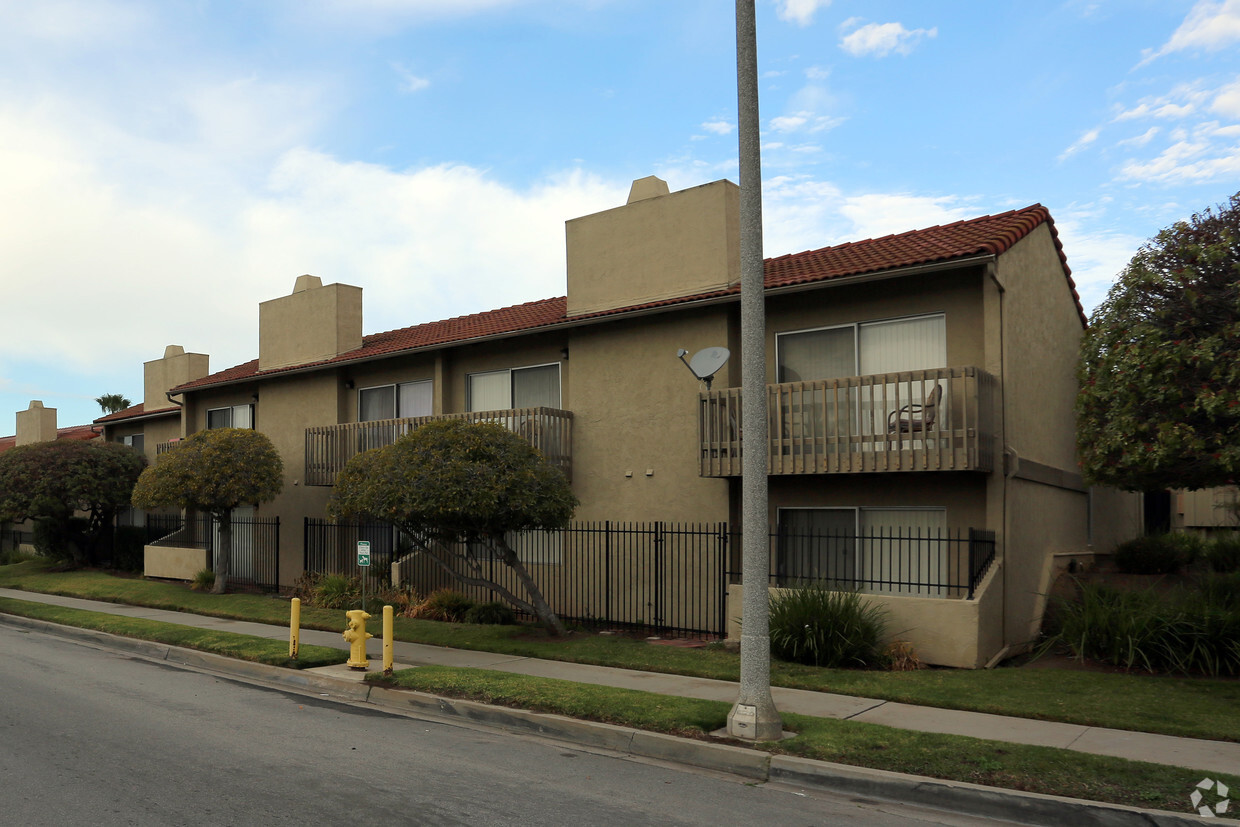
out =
column 817, row 626
column 1190, row 631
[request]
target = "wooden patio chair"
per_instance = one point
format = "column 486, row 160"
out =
column 915, row 418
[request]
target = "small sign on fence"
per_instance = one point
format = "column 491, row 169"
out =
column 363, row 553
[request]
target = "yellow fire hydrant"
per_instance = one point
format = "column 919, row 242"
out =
column 357, row 636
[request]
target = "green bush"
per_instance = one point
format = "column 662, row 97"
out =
column 445, row 604
column 817, row 626
column 494, row 612
column 203, row 581
column 128, row 547
column 1223, row 554
column 1190, row 631
column 1157, row 553
column 54, row 538
column 338, row 591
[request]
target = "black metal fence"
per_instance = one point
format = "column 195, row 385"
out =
column 658, row 577
column 664, row 578
column 255, row 557
column 13, row 538
column 908, row 562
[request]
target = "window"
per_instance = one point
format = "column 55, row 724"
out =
column 407, row 399
column 135, row 441
column 498, row 390
column 865, row 349
column 238, row 416
column 878, row 550
column 914, row 343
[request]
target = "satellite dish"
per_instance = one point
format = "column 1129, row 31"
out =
column 705, row 363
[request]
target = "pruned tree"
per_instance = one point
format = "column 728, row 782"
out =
column 1159, row 405
column 214, row 472
column 453, row 488
column 51, row 481
column 113, row 403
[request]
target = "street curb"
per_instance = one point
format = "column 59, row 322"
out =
column 963, row 797
column 953, row 796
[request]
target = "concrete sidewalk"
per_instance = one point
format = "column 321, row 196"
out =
column 1207, row 756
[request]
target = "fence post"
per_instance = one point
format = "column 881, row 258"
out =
column 722, row 537
column 277, row 571
column 607, row 565
column 658, row 575
column 972, row 562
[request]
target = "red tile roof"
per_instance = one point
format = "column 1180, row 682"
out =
column 136, row 411
column 76, row 433
column 987, row 235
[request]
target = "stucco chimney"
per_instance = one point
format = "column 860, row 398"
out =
column 659, row 245
column 36, row 424
column 175, row 368
column 311, row 324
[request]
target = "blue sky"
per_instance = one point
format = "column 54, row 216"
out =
column 168, row 165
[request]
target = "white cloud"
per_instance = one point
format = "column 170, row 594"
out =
column 788, row 123
column 409, row 82
column 1080, row 143
column 1194, row 160
column 1227, row 100
column 800, row 12
column 1211, row 25
column 881, row 39
column 801, row 213
column 1140, row 140
column 71, row 22
column 719, row 127
column 189, row 241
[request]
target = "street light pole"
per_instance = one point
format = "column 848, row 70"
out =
column 754, row 716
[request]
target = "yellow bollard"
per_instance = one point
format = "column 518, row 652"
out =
column 294, row 628
column 357, row 636
column 387, row 640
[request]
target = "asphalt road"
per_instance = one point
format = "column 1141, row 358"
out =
column 92, row 736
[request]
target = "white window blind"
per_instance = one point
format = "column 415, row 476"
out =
column 416, row 398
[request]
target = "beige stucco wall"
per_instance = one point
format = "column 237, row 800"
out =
column 635, row 419
column 175, row 367
column 680, row 244
column 311, row 324
column 943, row 632
column 174, row 563
column 154, row 431
column 36, row 424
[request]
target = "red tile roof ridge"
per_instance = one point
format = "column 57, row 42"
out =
column 992, row 235
column 134, row 411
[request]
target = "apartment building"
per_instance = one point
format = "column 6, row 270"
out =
column 920, row 403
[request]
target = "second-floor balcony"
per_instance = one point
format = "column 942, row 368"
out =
column 329, row 447
column 926, row 420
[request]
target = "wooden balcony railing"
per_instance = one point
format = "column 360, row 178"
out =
column 860, row 424
column 165, row 447
column 329, row 447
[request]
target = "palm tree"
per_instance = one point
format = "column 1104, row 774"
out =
column 113, row 402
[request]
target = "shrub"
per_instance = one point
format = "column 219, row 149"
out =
column 338, row 591
column 1223, row 554
column 128, row 548
column 16, row 555
column 901, row 657
column 820, row 627
column 1157, row 553
column 494, row 612
column 1189, row 631
column 203, row 581
column 444, row 604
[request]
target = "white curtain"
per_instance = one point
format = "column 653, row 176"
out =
column 490, row 391
column 416, row 399
column 376, row 403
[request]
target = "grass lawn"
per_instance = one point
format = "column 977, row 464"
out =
column 993, row 763
column 229, row 644
column 1193, row 707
